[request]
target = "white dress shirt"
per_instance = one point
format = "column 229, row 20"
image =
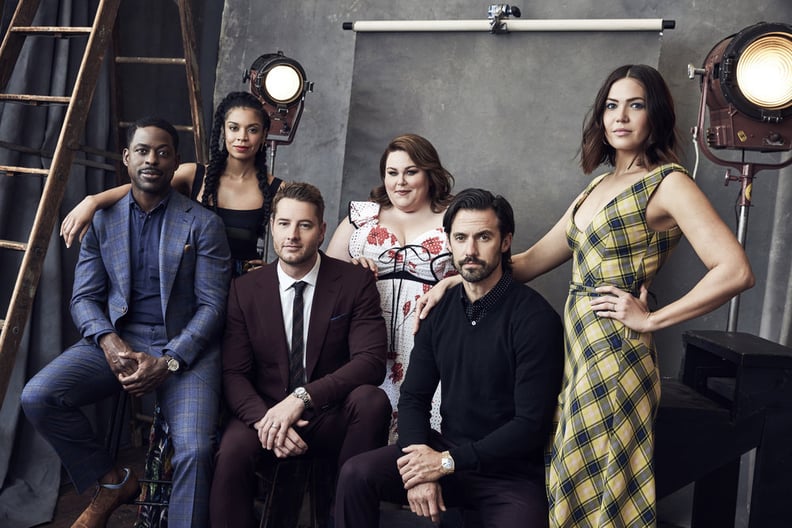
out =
column 285, row 286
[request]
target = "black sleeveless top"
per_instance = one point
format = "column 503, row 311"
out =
column 246, row 229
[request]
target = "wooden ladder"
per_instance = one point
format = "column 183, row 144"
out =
column 99, row 37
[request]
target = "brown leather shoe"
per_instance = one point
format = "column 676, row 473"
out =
column 106, row 500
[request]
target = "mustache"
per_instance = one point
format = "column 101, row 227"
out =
column 471, row 260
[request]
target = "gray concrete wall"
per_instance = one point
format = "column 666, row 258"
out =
column 310, row 31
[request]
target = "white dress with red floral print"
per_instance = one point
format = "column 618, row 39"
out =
column 404, row 273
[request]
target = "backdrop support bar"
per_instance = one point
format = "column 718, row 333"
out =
column 613, row 24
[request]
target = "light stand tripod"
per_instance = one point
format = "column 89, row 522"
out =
column 747, row 170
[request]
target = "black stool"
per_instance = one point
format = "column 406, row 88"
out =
column 157, row 481
column 155, row 484
column 735, row 395
column 284, row 485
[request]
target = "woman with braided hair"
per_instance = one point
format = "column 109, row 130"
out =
column 236, row 184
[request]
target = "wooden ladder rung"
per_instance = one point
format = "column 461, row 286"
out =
column 13, row 245
column 35, row 99
column 180, row 128
column 8, row 169
column 51, row 31
column 166, row 61
column 106, row 154
column 78, row 105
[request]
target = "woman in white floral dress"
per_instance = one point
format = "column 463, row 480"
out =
column 398, row 234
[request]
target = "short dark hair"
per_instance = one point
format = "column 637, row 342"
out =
column 481, row 200
column 660, row 145
column 302, row 192
column 425, row 157
column 153, row 121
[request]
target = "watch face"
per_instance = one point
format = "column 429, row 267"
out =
column 302, row 394
column 447, row 462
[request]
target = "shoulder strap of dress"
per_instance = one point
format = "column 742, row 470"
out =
column 595, row 181
column 668, row 168
column 362, row 212
column 262, row 243
column 198, row 179
column 273, row 187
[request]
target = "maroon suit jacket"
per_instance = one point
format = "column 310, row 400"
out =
column 346, row 347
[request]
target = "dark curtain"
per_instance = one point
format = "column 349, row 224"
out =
column 30, row 473
column 29, row 469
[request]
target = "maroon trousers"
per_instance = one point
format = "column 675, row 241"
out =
column 487, row 500
column 359, row 425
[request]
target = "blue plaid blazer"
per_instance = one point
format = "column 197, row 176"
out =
column 194, row 263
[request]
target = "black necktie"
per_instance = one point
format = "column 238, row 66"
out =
column 296, row 369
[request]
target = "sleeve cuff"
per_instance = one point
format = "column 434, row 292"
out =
column 465, row 457
column 97, row 336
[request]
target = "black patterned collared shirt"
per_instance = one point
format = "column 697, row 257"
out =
column 475, row 311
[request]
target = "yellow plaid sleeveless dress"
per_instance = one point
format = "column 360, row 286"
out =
column 600, row 467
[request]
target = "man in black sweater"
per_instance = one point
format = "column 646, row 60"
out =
column 497, row 348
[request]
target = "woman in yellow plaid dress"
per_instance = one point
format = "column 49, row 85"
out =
column 618, row 233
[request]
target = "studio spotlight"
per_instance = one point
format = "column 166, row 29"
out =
column 747, row 83
column 279, row 83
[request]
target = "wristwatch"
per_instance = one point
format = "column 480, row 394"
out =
column 301, row 393
column 173, row 363
column 446, row 463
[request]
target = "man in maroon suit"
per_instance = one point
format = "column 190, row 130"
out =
column 304, row 350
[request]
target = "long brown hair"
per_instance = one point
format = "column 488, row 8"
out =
column 661, row 143
column 425, row 157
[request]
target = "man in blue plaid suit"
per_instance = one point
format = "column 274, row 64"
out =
column 149, row 299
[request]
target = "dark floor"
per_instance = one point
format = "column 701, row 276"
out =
column 70, row 504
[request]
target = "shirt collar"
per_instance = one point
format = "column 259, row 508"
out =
column 478, row 309
column 160, row 206
column 285, row 281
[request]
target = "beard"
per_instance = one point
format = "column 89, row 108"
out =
column 292, row 258
column 478, row 274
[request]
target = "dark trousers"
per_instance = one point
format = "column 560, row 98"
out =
column 488, row 500
column 52, row 401
column 359, row 425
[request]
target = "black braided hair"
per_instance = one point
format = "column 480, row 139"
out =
column 218, row 155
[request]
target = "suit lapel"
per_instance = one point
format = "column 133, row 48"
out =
column 270, row 315
column 121, row 266
column 174, row 240
column 324, row 302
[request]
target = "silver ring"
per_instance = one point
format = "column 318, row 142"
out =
column 275, row 426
